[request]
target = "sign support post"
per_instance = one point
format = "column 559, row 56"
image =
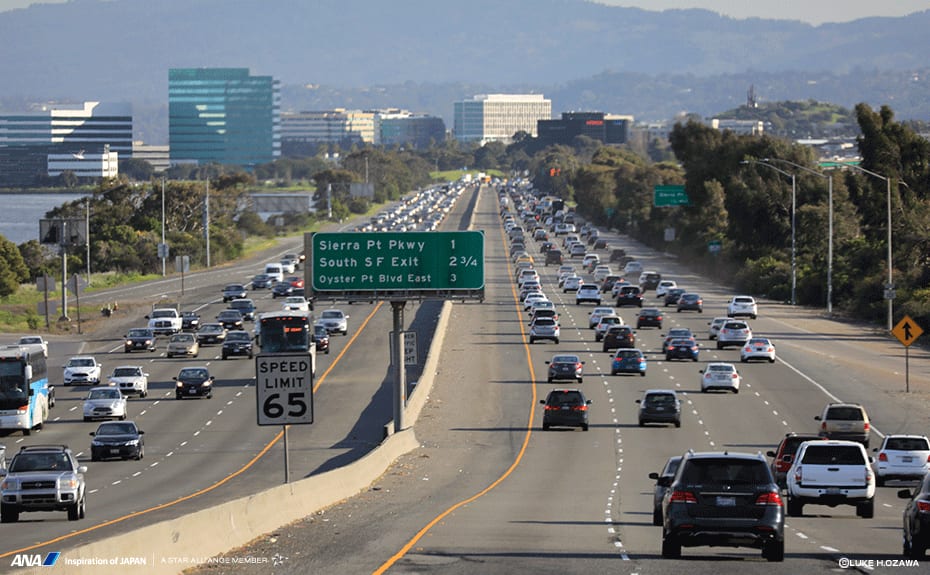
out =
column 400, row 371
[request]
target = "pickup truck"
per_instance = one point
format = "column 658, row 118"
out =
column 831, row 473
column 165, row 318
column 34, row 343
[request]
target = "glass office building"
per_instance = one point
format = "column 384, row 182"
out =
column 223, row 115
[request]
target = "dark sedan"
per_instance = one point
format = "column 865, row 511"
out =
column 190, row 321
column 211, row 333
column 563, row 367
column 321, row 338
column 282, row 289
column 194, row 382
column 234, row 291
column 682, row 349
column 630, row 295
column 649, row 317
column 231, row 319
column 565, row 408
column 691, row 302
column 140, row 338
column 672, row 296
column 117, row 439
column 237, row 343
column 917, row 519
column 262, row 281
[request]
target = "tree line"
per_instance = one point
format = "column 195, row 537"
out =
column 734, row 202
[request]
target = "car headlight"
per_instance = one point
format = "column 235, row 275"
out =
column 132, row 442
column 9, row 485
column 180, row 384
column 69, row 483
column 95, row 442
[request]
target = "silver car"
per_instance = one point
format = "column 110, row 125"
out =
column 335, row 321
column 104, row 403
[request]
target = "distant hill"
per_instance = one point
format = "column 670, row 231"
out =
column 583, row 55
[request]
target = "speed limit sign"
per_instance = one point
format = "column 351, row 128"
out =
column 284, row 388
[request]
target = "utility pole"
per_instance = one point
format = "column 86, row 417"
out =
column 164, row 256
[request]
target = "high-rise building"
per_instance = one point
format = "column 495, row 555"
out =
column 223, row 115
column 303, row 132
column 497, row 117
column 27, row 141
column 401, row 128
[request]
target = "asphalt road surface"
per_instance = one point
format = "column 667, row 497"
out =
column 489, row 492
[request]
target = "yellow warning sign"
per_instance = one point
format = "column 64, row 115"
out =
column 907, row 331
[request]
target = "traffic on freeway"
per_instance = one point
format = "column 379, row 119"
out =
column 496, row 487
column 188, row 390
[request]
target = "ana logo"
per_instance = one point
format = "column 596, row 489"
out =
column 35, row 560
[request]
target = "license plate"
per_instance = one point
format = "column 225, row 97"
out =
column 833, row 491
column 660, row 409
column 192, row 391
column 907, row 459
column 114, row 451
column 566, row 407
column 726, row 501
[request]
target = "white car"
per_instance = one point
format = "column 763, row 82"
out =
column 742, row 305
column 601, row 271
column 295, row 303
column 566, row 269
column 607, row 322
column 901, row 457
column 758, row 348
column 733, row 332
column 598, row 313
column 527, row 275
column 577, row 250
column 715, row 325
column 572, row 283
column 130, row 380
column 588, row 293
column 541, row 304
column 104, row 403
column 532, row 298
column 82, row 369
column 590, row 261
column 287, row 266
column 718, row 375
column 664, row 286
column 335, row 321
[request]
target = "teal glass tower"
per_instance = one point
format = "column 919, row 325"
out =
column 223, row 115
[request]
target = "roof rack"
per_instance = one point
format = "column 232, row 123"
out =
column 47, row 447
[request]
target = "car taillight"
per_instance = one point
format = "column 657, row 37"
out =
column 748, row 348
column 882, row 456
column 580, row 408
column 923, row 506
column 734, row 376
column 552, row 408
column 683, row 497
column 578, row 365
column 770, row 498
column 866, row 426
column 869, row 475
column 823, row 426
column 797, row 474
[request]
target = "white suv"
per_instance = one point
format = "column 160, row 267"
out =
column 831, row 473
column 742, row 305
column 588, row 293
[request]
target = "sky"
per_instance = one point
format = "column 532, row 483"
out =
column 811, row 11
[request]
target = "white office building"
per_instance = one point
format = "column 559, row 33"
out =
column 103, row 164
column 497, row 117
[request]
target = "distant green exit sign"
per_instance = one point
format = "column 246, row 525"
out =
column 671, row 195
column 380, row 262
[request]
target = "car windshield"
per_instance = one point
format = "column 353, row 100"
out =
column 238, row 336
column 735, row 325
column 82, row 362
column 627, row 354
column 193, row 374
column 724, row 470
column 40, row 462
column 721, row 368
column 545, row 322
column 758, row 341
column 679, row 332
column 833, row 455
column 116, row 428
column 320, row 331
column 565, row 398
column 139, row 333
column 907, row 444
column 208, row 327
column 844, row 413
column 331, row 314
column 565, row 359
column 660, row 399
column 104, row 394
column 181, row 338
column 127, row 372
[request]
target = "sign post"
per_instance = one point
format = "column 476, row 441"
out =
column 907, row 331
column 284, row 392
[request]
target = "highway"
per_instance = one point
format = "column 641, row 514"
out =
column 199, row 452
column 489, row 492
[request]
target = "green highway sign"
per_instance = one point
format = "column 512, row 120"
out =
column 382, row 263
column 671, row 195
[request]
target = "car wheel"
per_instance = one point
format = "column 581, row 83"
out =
column 74, row 510
column 224, row 356
column 580, row 380
column 736, row 390
column 642, row 374
column 774, row 550
column 678, row 423
column 795, row 508
column 916, row 551
column 8, row 514
column 86, row 418
column 548, row 380
column 178, row 396
column 584, row 427
column 879, row 481
column 532, row 341
column 743, row 360
column 772, row 360
column 94, row 456
column 671, row 547
column 753, row 317
column 556, row 341
column 545, row 427
column 694, row 359
column 141, row 453
column 643, row 424
column 719, row 346
column 657, row 517
column 866, row 509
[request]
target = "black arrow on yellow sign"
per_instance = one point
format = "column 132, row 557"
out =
column 907, row 331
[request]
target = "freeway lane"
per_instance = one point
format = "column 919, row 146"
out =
column 192, row 445
column 490, row 493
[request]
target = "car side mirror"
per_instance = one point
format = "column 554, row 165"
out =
column 654, row 476
column 542, row 401
column 816, row 418
column 640, row 401
column 588, row 402
column 141, row 432
column 92, row 433
column 770, row 453
column 547, row 362
column 700, row 371
column 82, row 469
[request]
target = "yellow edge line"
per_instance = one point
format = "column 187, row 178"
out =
column 519, row 457
column 219, row 483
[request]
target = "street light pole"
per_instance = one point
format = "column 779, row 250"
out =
column 794, row 196
column 889, row 287
column 829, row 224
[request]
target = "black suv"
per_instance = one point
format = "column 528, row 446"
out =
column 723, row 499
column 617, row 254
column 630, row 295
column 565, row 408
column 554, row 256
column 659, row 406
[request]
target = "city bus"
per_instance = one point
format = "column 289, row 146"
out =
column 286, row 332
column 24, row 389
